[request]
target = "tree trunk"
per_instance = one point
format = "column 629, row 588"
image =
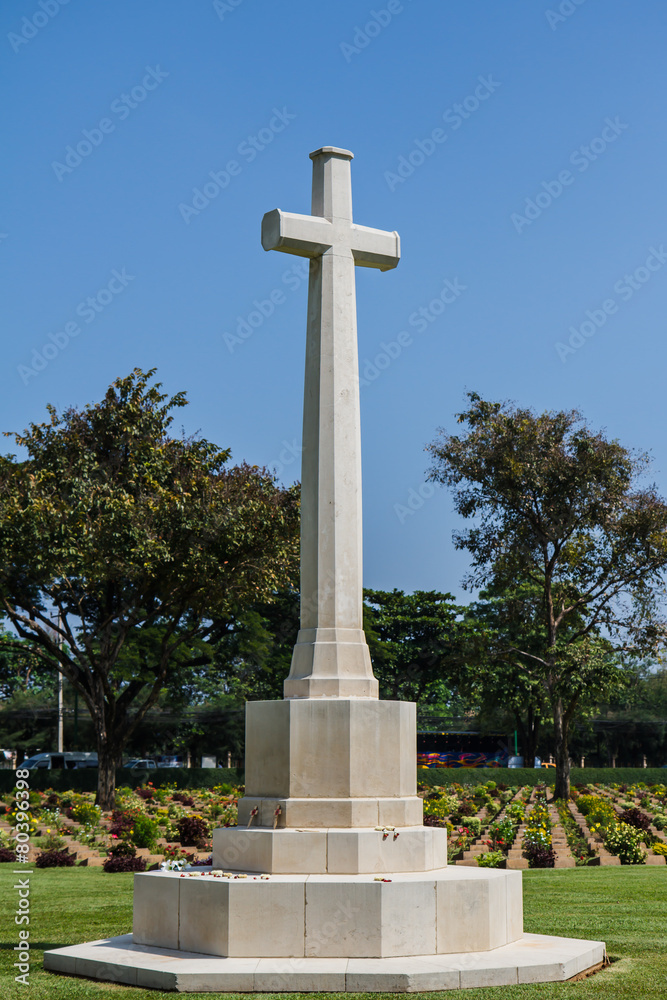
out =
column 529, row 732
column 562, row 790
column 108, row 759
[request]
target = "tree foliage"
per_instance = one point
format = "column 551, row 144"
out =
column 120, row 527
column 416, row 641
column 560, row 507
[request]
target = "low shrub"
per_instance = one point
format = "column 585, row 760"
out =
column 192, row 830
column 6, row 854
column 624, row 841
column 474, row 824
column 660, row 822
column 145, row 831
column 50, row 842
column 598, row 811
column 123, row 849
column 635, row 817
column 436, row 808
column 516, row 811
column 122, row 822
column 660, row 848
column 86, row 812
column 502, row 833
column 124, row 864
column 467, row 808
column 55, row 859
column 458, row 840
column 184, row 799
column 145, row 793
column 539, row 856
column 492, row 859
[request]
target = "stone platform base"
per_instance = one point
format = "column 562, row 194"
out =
column 534, row 958
column 291, row 917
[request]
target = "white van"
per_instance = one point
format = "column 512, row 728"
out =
column 66, row 760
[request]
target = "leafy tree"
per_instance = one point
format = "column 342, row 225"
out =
column 120, row 528
column 494, row 676
column 255, row 654
column 561, row 507
column 28, row 698
column 416, row 641
column 22, row 671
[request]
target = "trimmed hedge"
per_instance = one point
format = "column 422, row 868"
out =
column 85, row 779
column 538, row 776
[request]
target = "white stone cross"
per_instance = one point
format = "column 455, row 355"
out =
column 331, row 658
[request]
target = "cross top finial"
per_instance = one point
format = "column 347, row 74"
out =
column 344, row 154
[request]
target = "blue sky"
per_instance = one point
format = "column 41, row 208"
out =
column 518, row 149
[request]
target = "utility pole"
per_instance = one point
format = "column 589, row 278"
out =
column 59, row 640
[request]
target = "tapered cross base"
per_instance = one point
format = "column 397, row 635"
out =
column 331, row 663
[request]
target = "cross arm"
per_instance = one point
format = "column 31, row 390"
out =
column 375, row 247
column 304, row 235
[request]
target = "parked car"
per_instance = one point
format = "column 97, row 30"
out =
column 66, row 760
column 141, row 764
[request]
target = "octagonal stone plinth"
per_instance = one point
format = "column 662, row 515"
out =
column 331, row 762
column 327, row 851
column 336, row 916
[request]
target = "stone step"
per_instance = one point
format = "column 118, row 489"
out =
column 515, row 864
column 655, row 859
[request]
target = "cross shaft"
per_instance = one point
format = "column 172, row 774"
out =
column 331, row 658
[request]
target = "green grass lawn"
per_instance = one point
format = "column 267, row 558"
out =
column 626, row 907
